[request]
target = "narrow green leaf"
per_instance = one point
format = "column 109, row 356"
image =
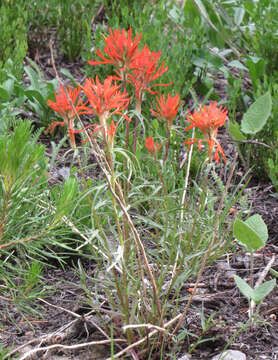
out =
column 246, row 290
column 256, row 116
column 201, row 8
column 263, row 290
column 190, row 10
column 247, row 236
column 274, row 272
column 258, row 225
column 68, row 74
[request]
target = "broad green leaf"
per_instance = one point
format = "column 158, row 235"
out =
column 239, row 15
column 256, row 67
column 234, row 130
column 34, row 94
column 256, row 116
column 258, row 225
column 247, row 236
column 19, row 91
column 263, row 290
column 33, row 77
column 4, row 95
column 238, row 65
column 246, row 290
column 8, row 85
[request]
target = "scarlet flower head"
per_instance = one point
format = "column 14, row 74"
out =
column 66, row 101
column 151, row 146
column 167, row 109
column 105, row 99
column 120, row 49
column 64, row 104
column 145, row 70
column 208, row 119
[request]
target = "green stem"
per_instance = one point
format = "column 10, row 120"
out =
column 214, row 233
column 125, row 302
column 167, row 145
column 138, row 110
column 251, row 268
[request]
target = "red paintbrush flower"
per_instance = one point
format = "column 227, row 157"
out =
column 167, row 109
column 145, row 70
column 208, row 119
column 66, row 101
column 64, row 104
column 120, row 49
column 105, row 99
column 151, row 146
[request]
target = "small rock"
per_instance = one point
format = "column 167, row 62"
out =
column 230, row 355
column 185, row 357
column 64, row 172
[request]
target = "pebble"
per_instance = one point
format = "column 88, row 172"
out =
column 185, row 357
column 230, row 355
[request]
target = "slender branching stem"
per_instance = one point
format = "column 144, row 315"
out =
column 251, row 268
column 138, row 110
column 183, row 204
column 213, row 237
column 167, row 144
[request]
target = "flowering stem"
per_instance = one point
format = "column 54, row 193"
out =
column 71, row 133
column 141, row 250
column 176, row 273
column 167, row 144
column 127, row 122
column 215, row 230
column 124, row 300
column 166, row 204
column 138, row 110
column 251, row 268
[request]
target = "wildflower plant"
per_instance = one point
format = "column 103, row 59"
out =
column 146, row 233
column 183, row 247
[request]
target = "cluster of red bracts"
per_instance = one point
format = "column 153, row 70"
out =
column 140, row 68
